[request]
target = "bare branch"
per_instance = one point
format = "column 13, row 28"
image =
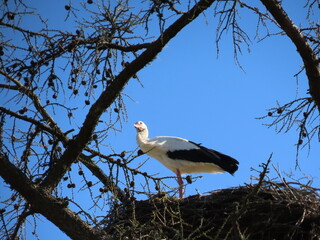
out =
column 310, row 59
column 42, row 202
column 106, row 180
column 35, row 100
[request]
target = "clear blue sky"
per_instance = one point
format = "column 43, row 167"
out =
column 190, row 93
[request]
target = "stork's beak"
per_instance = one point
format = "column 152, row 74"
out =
column 138, row 127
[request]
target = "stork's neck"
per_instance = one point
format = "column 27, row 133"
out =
column 142, row 137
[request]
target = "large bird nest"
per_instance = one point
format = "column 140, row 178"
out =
column 267, row 210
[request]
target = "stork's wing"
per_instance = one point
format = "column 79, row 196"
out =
column 205, row 155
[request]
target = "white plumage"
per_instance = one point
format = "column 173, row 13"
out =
column 183, row 156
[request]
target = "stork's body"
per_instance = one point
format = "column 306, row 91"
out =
column 183, row 156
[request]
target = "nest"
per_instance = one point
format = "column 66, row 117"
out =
column 264, row 211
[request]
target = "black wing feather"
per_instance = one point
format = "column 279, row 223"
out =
column 203, row 154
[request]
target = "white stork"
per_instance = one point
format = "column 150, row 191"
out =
column 183, row 156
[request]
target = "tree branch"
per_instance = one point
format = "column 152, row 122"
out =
column 311, row 61
column 37, row 123
column 131, row 48
column 11, row 87
column 106, row 180
column 42, row 202
column 36, row 101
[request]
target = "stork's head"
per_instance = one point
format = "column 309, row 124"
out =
column 140, row 126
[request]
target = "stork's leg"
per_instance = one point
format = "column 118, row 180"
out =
column 180, row 182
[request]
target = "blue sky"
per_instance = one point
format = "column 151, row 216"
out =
column 190, row 92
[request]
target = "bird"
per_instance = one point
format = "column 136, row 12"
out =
column 183, row 156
